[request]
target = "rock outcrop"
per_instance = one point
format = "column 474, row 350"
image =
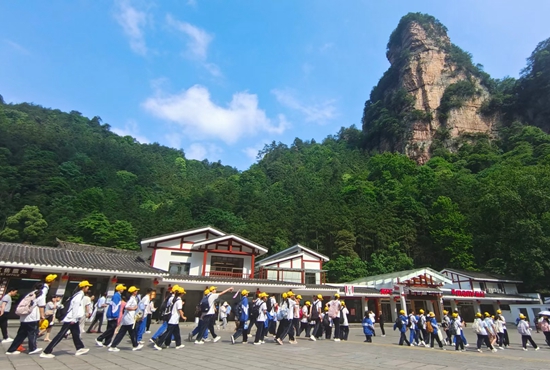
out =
column 444, row 91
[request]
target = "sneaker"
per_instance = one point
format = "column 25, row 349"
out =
column 423, row 344
column 500, row 348
column 47, row 355
column 466, row 345
column 480, row 351
column 384, row 335
column 245, row 342
column 494, row 350
column 81, row 351
column 140, row 346
column 525, row 349
column 151, row 340
column 217, row 339
column 232, row 339
column 9, row 340
column 113, row 349
column 190, row 337
column 336, row 339
column 262, row 342
column 199, row 342
column 207, row 339
column 279, row 341
column 157, row 348
column 412, row 344
column 38, row 350
column 293, row 342
column 257, row 343
column 180, row 346
column 443, row 348
column 536, row 349
column 13, row 353
column 312, row 338
column 99, row 344
column 141, row 342
column 147, row 332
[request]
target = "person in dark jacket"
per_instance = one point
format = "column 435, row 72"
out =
column 401, row 324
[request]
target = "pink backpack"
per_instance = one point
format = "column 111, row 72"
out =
column 26, row 306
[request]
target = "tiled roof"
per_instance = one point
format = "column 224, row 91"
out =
column 484, row 276
column 71, row 256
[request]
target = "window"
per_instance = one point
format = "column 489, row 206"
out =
column 226, row 264
column 311, row 278
column 181, row 254
column 177, row 268
column 482, row 286
column 505, row 307
column 501, row 288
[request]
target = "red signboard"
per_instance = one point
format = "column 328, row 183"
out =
column 468, row 293
column 386, row 291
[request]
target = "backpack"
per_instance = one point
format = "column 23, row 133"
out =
column 64, row 310
column 314, row 311
column 410, row 322
column 282, row 314
column 26, row 305
column 399, row 323
column 476, row 327
column 205, row 306
column 301, row 313
column 254, row 311
column 452, row 328
column 166, row 309
column 238, row 311
column 429, row 327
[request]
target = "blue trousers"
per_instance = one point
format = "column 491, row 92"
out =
column 412, row 336
column 160, row 330
column 140, row 330
column 196, row 331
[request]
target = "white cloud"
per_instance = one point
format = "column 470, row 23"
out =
column 319, row 113
column 131, row 129
column 198, row 39
column 17, row 47
column 252, row 151
column 204, row 151
column 133, row 22
column 200, row 117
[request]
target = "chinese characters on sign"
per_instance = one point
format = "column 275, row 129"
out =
column 386, row 291
column 15, row 272
column 468, row 293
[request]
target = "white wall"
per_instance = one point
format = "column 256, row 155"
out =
column 515, row 311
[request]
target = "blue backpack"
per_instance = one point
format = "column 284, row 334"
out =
column 204, row 305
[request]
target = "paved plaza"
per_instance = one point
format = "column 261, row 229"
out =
column 383, row 353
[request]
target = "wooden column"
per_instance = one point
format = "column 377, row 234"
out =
column 204, row 262
column 252, row 266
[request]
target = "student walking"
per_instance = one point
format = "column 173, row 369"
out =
column 71, row 322
column 241, row 318
column 413, row 329
column 99, row 313
column 344, row 318
column 401, row 324
column 223, row 314
column 261, row 322
column 433, row 329
column 334, row 308
column 368, row 327
column 50, row 313
column 209, row 315
column 505, row 341
column 316, row 317
column 113, row 313
column 141, row 314
column 88, row 310
column 30, row 311
column 424, row 336
column 304, row 321
column 525, row 332
column 283, row 315
column 480, row 328
column 455, row 329
column 128, row 324
column 149, row 312
column 173, row 329
column 446, row 326
column 5, row 308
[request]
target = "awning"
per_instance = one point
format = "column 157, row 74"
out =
column 422, row 290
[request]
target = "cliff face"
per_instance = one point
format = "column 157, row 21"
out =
column 444, row 92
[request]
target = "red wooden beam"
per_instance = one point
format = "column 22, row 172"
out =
column 204, row 263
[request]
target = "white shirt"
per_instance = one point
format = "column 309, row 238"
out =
column 317, row 306
column 35, row 313
column 263, row 312
column 129, row 316
column 175, row 317
column 100, row 302
column 145, row 302
column 150, row 308
column 291, row 305
column 371, row 317
column 87, row 304
column 412, row 320
column 345, row 312
column 76, row 308
column 223, row 312
column 211, row 299
column 304, row 314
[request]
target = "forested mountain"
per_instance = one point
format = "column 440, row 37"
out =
column 482, row 202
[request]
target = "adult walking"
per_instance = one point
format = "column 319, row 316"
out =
column 545, row 327
column 5, row 308
column 71, row 322
column 525, row 331
column 113, row 313
column 32, row 311
column 128, row 324
column 334, row 308
column 381, row 323
column 173, row 330
column 100, row 306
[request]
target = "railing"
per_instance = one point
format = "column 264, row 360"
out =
column 228, row 274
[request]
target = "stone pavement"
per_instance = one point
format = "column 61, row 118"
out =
column 383, row 353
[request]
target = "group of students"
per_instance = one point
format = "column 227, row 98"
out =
column 424, row 330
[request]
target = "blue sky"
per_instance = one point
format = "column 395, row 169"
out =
column 221, row 78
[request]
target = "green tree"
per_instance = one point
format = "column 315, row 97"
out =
column 345, row 244
column 27, row 226
column 390, row 260
column 345, row 268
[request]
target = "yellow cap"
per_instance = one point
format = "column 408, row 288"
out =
column 179, row 290
column 319, row 296
column 455, row 314
column 299, row 296
column 263, row 295
column 44, row 324
column 175, row 286
column 120, row 287
column 326, row 308
column 499, row 312
column 421, row 311
column 206, row 291
column 135, row 289
column 244, row 292
column 290, row 293
column 431, row 314
column 212, row 288
column 337, row 295
column 84, row 283
column 521, row 316
column 50, row 278
column 342, row 303
column 402, row 312
column 445, row 312
column 308, row 303
column 478, row 314
column 285, row 295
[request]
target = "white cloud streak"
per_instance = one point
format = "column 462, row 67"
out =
column 319, row 113
column 133, row 22
column 17, row 47
column 131, row 129
column 200, row 151
column 199, row 117
column 198, row 39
